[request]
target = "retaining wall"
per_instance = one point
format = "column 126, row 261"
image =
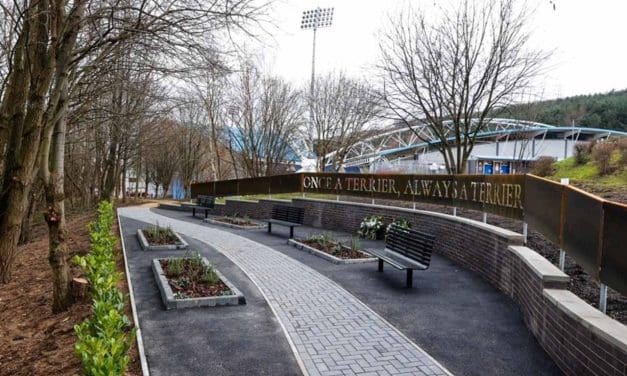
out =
column 579, row 338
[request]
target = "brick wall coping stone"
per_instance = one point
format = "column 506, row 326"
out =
column 237, row 200
column 539, row 265
column 511, row 235
column 588, row 316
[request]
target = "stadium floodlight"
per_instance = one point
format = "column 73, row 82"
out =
column 316, row 19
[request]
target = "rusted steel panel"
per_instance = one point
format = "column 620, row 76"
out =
column 583, row 221
column 505, row 195
column 501, row 195
column 207, row 188
column 614, row 249
column 543, row 207
column 285, row 183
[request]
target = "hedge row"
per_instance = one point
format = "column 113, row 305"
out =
column 106, row 336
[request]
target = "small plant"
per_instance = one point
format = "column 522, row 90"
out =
column 160, row 235
column 371, row 227
column 355, row 244
column 210, row 276
column 323, row 239
column 401, row 222
column 175, row 266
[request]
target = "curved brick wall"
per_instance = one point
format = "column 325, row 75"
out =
column 579, row 338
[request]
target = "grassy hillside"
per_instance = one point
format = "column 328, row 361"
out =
column 586, row 176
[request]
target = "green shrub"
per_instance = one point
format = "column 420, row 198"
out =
column 582, row 152
column 543, row 166
column 106, row 336
column 602, row 155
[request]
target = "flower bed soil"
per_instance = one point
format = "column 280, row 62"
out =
column 344, row 252
column 236, row 221
column 168, row 237
column 189, row 283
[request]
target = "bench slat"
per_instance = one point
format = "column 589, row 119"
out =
column 406, row 249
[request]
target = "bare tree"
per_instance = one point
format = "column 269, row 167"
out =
column 464, row 64
column 192, row 144
column 266, row 113
column 52, row 41
column 341, row 108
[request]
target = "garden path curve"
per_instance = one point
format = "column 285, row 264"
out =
column 330, row 331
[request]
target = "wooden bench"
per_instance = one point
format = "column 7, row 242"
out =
column 205, row 203
column 405, row 249
column 288, row 216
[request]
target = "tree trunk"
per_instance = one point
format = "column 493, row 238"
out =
column 27, row 221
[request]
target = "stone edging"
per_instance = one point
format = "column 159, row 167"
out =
column 167, row 296
column 147, row 247
column 336, row 260
column 257, row 226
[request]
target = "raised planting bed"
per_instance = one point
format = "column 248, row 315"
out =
column 241, row 223
column 159, row 239
column 186, row 282
column 332, row 250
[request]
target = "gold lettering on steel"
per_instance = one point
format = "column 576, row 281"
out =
column 505, row 193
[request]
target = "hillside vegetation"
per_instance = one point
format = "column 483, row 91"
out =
column 608, row 110
column 597, row 168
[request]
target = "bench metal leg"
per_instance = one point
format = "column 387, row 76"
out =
column 269, row 227
column 410, row 278
column 206, row 213
column 291, row 232
column 380, row 265
column 193, row 212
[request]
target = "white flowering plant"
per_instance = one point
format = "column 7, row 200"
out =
column 372, row 228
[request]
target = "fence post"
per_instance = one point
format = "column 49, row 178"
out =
column 603, row 298
column 525, row 232
column 564, row 181
column 485, row 217
column 562, row 259
column 455, row 211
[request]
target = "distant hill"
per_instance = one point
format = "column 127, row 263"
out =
column 607, row 111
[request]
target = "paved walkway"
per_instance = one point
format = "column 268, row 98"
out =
column 330, row 331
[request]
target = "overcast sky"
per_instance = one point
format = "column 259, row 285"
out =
column 588, row 37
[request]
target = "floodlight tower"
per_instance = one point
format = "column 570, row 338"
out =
column 315, row 19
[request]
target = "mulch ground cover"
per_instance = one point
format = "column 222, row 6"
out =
column 336, row 250
column 33, row 340
column 190, row 283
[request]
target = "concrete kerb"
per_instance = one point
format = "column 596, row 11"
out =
column 170, row 302
column 181, row 244
column 138, row 332
column 336, row 260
